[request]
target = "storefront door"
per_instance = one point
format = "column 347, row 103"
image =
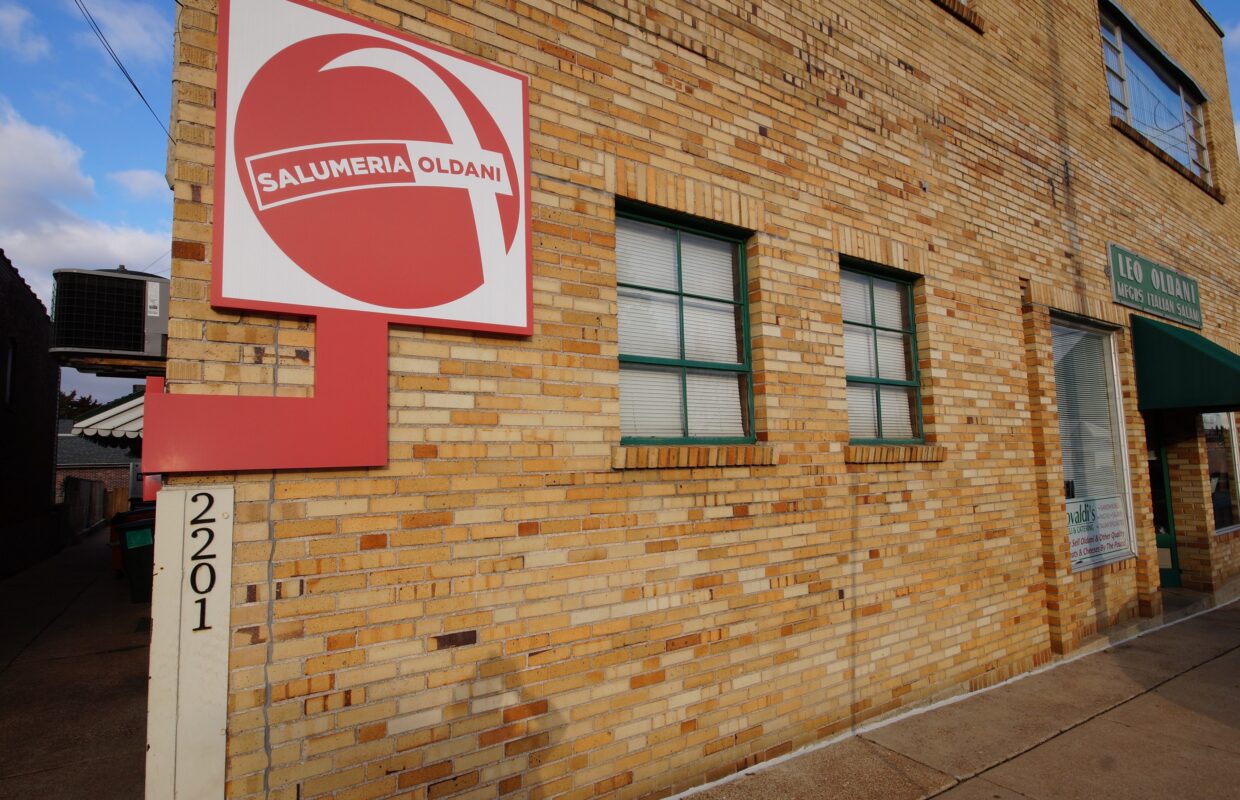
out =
column 1164, row 518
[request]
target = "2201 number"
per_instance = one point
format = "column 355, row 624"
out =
column 202, row 571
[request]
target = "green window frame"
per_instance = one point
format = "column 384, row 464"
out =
column 687, row 361
column 880, row 354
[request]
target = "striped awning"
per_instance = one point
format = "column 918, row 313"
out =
column 121, row 419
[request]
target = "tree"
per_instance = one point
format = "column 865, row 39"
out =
column 73, row 405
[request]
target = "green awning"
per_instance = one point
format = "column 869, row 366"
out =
column 1179, row 369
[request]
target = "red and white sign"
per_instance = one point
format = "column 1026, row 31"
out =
column 363, row 178
column 359, row 169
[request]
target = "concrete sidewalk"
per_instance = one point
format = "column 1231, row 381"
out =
column 1154, row 717
column 73, row 675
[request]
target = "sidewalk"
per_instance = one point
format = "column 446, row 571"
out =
column 73, row 664
column 1154, row 717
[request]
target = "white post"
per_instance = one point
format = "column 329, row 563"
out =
column 187, row 713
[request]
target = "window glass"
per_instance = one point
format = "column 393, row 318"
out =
column 709, row 266
column 647, row 256
column 1220, row 432
column 1091, row 441
column 1156, row 108
column 862, row 411
column 855, row 291
column 649, row 324
column 860, row 359
column 650, row 401
column 717, row 403
column 880, row 358
column 711, row 331
column 891, row 304
column 684, row 358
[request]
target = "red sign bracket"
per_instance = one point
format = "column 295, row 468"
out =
column 343, row 425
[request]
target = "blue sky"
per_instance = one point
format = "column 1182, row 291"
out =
column 82, row 160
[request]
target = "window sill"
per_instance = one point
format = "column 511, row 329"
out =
column 682, row 456
column 1139, row 138
column 963, row 13
column 1230, row 530
column 893, row 453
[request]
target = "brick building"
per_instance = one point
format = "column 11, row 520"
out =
column 79, row 457
column 880, row 352
column 29, row 379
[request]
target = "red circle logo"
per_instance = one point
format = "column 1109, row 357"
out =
column 376, row 170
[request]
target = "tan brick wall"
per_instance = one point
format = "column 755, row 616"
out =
column 508, row 609
column 1225, row 558
column 1190, row 491
column 1207, row 559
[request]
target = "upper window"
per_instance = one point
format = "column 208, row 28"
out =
column 1148, row 92
column 685, row 370
column 1220, row 431
column 880, row 357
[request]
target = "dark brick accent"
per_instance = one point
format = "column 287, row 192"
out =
column 190, row 251
column 458, row 639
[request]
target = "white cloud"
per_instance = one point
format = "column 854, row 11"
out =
column 39, row 169
column 141, row 183
column 136, row 30
column 36, row 165
column 16, row 39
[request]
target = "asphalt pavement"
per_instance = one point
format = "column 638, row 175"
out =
column 73, row 676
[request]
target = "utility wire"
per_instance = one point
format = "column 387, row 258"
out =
column 94, row 26
column 153, row 260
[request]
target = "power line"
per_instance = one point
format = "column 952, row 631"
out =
column 94, row 26
column 156, row 258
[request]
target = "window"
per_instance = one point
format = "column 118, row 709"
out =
column 1151, row 94
column 1095, row 466
column 1220, row 430
column 685, row 370
column 880, row 357
column 965, row 11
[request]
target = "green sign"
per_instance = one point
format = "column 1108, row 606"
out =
column 1139, row 283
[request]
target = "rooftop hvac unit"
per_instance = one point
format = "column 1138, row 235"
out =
column 110, row 322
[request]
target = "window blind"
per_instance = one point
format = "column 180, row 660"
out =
column 1088, row 432
column 683, row 371
column 878, row 357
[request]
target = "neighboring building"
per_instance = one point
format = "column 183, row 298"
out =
column 29, row 380
column 838, row 398
column 110, row 461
